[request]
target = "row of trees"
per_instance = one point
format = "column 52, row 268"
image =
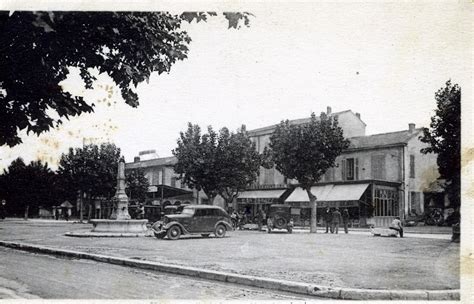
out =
column 226, row 163
column 88, row 172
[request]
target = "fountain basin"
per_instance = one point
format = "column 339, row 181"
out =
column 114, row 228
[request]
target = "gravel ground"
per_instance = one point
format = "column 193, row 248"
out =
column 353, row 260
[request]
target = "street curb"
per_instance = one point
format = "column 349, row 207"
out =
column 267, row 283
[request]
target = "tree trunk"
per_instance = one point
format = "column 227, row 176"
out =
column 211, row 199
column 228, row 202
column 314, row 211
column 26, row 212
column 81, row 215
column 89, row 209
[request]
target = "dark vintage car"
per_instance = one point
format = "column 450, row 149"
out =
column 279, row 217
column 194, row 219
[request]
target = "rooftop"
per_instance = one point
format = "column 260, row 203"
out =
column 299, row 121
column 383, row 139
column 162, row 161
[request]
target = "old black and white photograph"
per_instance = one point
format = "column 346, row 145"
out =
column 236, row 150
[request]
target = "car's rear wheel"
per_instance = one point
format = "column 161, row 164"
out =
column 205, row 235
column 280, row 223
column 174, row 233
column 220, row 231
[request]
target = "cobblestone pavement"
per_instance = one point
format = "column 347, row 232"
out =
column 352, row 260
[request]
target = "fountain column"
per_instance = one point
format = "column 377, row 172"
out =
column 120, row 198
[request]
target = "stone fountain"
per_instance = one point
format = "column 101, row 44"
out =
column 120, row 224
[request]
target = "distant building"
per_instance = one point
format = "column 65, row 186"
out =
column 165, row 188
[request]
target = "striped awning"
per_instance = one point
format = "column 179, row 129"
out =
column 329, row 193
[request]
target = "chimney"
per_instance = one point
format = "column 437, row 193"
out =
column 328, row 111
column 358, row 115
column 411, row 127
column 136, row 159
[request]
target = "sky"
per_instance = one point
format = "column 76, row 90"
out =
column 382, row 60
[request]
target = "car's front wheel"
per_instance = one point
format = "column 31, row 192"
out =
column 174, row 233
column 220, row 231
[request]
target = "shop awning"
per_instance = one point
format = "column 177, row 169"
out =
column 262, row 194
column 330, row 193
column 167, row 191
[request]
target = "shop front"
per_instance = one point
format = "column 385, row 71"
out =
column 353, row 197
column 371, row 203
column 250, row 202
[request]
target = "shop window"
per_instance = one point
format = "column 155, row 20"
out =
column 412, row 166
column 385, row 202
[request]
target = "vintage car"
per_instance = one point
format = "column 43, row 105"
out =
column 194, row 219
column 279, row 217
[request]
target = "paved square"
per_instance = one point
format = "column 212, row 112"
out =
column 353, row 260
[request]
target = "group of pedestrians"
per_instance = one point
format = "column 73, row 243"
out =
column 333, row 218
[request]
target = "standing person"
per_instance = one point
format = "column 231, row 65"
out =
column 240, row 219
column 66, row 214
column 234, row 219
column 328, row 219
column 397, row 225
column 259, row 219
column 336, row 219
column 141, row 212
column 345, row 220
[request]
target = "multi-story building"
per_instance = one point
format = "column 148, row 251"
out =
column 165, row 187
column 379, row 177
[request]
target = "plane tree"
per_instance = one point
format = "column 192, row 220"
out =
column 444, row 139
column 223, row 163
column 306, row 151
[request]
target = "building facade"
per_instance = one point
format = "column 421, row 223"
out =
column 165, row 187
column 379, row 177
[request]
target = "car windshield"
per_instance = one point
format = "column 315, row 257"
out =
column 188, row 211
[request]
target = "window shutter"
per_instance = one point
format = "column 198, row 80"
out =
column 356, row 169
column 343, row 169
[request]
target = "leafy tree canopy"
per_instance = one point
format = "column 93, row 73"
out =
column 137, row 185
column 238, row 162
column 444, row 138
column 306, row 151
column 28, row 186
column 91, row 169
column 38, row 48
column 222, row 163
